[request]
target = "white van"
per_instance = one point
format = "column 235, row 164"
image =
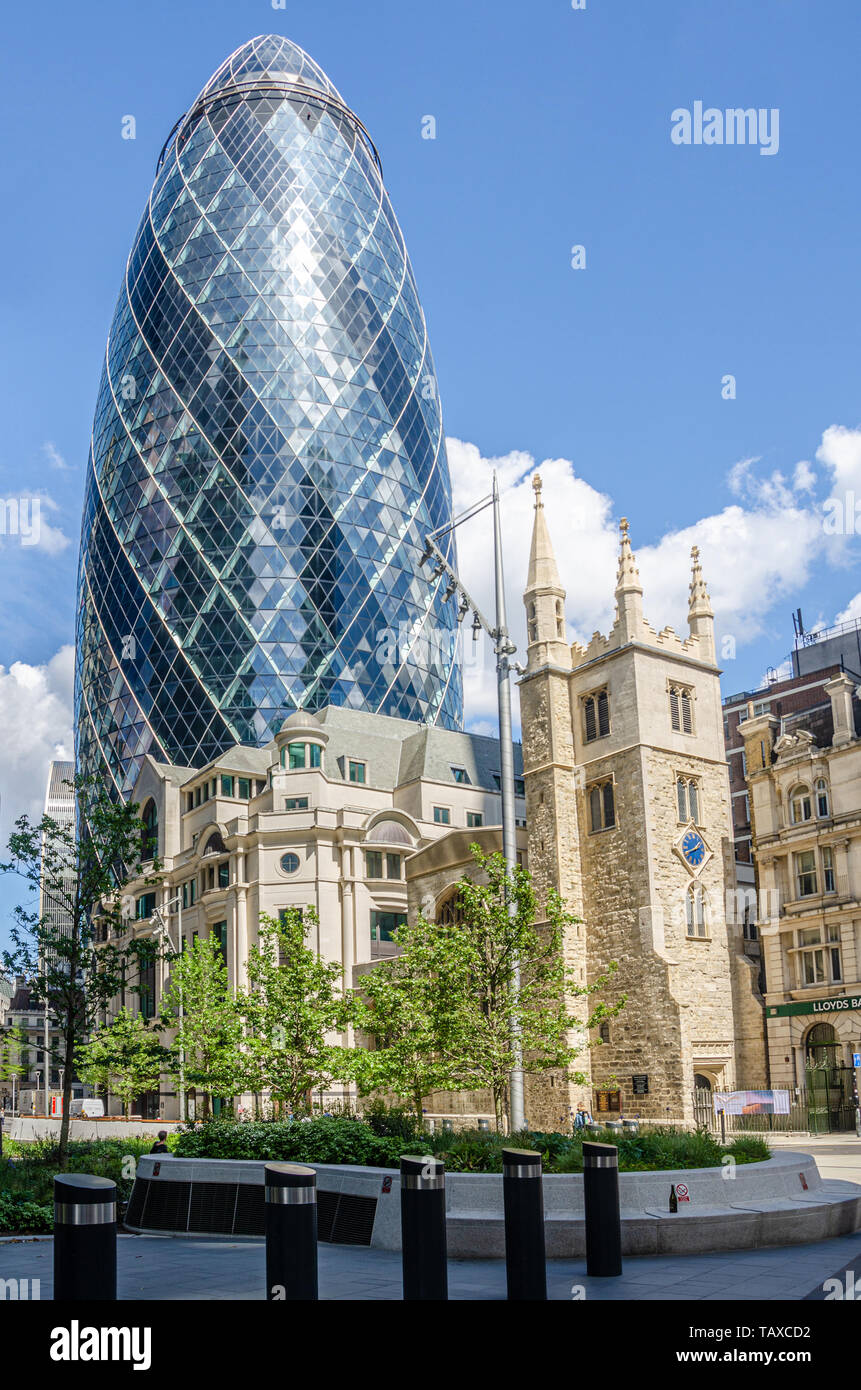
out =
column 89, row 1109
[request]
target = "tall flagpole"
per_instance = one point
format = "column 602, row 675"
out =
column 509, row 829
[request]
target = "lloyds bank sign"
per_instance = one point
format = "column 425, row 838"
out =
column 839, row 1004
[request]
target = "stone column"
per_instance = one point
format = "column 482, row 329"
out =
column 840, row 693
column 348, row 949
column 240, row 937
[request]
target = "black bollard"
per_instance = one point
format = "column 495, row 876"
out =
column 525, row 1265
column 423, row 1242
column 85, row 1238
column 601, row 1203
column 291, row 1232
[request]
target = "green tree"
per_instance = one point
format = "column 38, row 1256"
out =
column 70, row 948
column 466, row 1010
column 294, row 1003
column 126, row 1057
column 411, row 1008
column 552, row 1023
column 209, row 1032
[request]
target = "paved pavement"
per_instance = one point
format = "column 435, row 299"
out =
column 837, row 1155
column 188, row 1268
column 200, row 1268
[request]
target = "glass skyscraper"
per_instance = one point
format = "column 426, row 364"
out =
column 267, row 452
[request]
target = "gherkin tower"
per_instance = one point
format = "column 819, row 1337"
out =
column 267, row 452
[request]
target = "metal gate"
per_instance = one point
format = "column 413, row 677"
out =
column 830, row 1099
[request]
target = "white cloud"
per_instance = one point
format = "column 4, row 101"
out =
column 851, row 611
column 754, row 552
column 36, row 719
column 840, row 451
column 804, row 477
column 55, row 458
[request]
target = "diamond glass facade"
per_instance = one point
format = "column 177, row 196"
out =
column 267, row 451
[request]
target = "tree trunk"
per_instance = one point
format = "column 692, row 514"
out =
column 69, row 1056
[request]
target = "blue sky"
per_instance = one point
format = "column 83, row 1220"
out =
column 553, row 129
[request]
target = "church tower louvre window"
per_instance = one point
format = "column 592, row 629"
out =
column 596, row 715
column 681, row 709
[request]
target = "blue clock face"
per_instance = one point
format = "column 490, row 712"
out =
column 693, row 848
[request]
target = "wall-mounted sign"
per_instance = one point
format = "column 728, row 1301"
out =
column 608, row 1100
column 640, row 1085
column 839, row 1004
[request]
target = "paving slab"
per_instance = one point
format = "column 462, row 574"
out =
column 179, row 1268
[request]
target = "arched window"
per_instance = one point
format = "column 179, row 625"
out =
column 602, row 806
column 596, row 715
column 450, row 913
column 696, row 910
column 688, row 798
column 822, row 797
column 215, row 844
column 800, row 805
column 560, row 619
column 149, row 834
column 681, row 709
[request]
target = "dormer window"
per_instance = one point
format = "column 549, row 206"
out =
column 356, row 772
column 461, row 775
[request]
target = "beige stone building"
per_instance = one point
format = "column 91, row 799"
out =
column 628, row 815
column 330, row 815
column 804, row 780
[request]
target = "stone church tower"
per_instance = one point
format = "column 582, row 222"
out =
column 628, row 816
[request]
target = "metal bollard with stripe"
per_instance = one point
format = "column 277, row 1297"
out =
column 85, row 1238
column 423, row 1238
column 291, row 1232
column 523, row 1202
column 601, row 1201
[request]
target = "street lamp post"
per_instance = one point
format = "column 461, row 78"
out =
column 504, row 649
column 176, row 903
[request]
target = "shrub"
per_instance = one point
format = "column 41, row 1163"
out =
column 329, row 1139
column 351, row 1140
column 32, row 1175
column 748, row 1148
column 396, row 1121
column 19, row 1216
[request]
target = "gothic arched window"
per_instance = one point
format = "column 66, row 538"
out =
column 696, row 910
column 149, row 834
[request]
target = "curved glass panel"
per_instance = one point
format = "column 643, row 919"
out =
column 267, row 451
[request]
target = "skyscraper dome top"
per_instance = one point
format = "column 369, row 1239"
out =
column 272, row 58
column 268, row 453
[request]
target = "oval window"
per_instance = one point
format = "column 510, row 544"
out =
column 289, row 863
